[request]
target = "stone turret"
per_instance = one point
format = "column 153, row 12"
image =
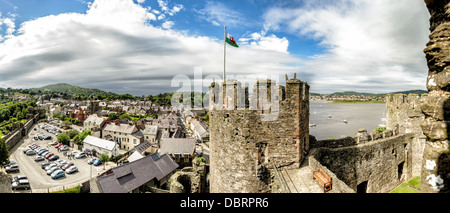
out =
column 269, row 126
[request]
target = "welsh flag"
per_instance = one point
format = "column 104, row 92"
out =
column 230, row 40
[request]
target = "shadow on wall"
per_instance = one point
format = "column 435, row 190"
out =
column 443, row 169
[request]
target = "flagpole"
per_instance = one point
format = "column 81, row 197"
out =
column 224, row 51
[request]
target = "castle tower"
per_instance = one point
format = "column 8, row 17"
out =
column 245, row 142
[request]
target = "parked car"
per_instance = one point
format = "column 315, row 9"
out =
column 43, row 165
column 39, row 158
column 80, row 155
column 51, row 170
column 31, row 152
column 97, row 162
column 67, row 166
column 60, row 162
column 57, row 174
column 64, row 148
column 12, row 168
column 53, row 158
column 26, row 150
column 49, row 155
column 44, row 153
column 21, row 184
column 41, row 151
column 50, row 166
column 48, row 137
column 71, row 169
column 90, row 161
column 18, row 177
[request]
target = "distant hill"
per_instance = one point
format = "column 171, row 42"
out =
column 352, row 93
column 73, row 90
column 373, row 94
column 419, row 92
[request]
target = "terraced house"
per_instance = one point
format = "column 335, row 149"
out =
column 127, row 136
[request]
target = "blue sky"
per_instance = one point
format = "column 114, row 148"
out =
column 139, row 46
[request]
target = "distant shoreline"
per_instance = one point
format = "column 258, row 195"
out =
column 358, row 101
column 352, row 101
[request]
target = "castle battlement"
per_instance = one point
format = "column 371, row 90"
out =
column 265, row 97
column 250, row 132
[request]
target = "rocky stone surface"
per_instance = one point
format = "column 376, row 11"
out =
column 435, row 175
column 245, row 144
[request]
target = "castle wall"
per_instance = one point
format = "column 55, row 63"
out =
column 403, row 112
column 379, row 162
column 244, row 141
column 435, row 176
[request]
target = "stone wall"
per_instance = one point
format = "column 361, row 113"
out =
column 435, row 175
column 338, row 186
column 404, row 113
column 244, row 141
column 20, row 130
column 383, row 164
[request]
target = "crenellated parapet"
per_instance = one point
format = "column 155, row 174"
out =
column 250, row 131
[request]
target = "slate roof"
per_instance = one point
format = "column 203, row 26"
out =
column 177, row 146
column 94, row 119
column 98, row 142
column 130, row 176
column 123, row 128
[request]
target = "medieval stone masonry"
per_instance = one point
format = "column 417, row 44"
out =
column 249, row 134
column 436, row 105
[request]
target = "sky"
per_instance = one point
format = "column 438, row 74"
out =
column 142, row 47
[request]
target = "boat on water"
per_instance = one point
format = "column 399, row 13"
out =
column 329, row 116
column 345, row 121
column 312, row 125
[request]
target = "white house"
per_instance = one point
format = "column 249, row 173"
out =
column 100, row 146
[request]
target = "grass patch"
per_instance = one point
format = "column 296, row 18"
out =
column 76, row 190
column 404, row 188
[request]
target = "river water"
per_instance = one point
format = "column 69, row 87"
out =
column 357, row 115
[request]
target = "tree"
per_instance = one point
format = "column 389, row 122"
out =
column 4, row 152
column 63, row 138
column 113, row 116
column 80, row 137
column 104, row 158
column 125, row 116
column 72, row 133
column 66, row 123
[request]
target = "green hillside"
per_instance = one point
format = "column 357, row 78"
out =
column 74, row 90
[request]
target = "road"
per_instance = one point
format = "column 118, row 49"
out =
column 38, row 178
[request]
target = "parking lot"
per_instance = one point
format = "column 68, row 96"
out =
column 38, row 178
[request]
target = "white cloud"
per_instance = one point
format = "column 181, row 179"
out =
column 167, row 24
column 374, row 45
column 271, row 42
column 167, row 10
column 7, row 23
column 219, row 14
column 162, row 16
column 114, row 47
